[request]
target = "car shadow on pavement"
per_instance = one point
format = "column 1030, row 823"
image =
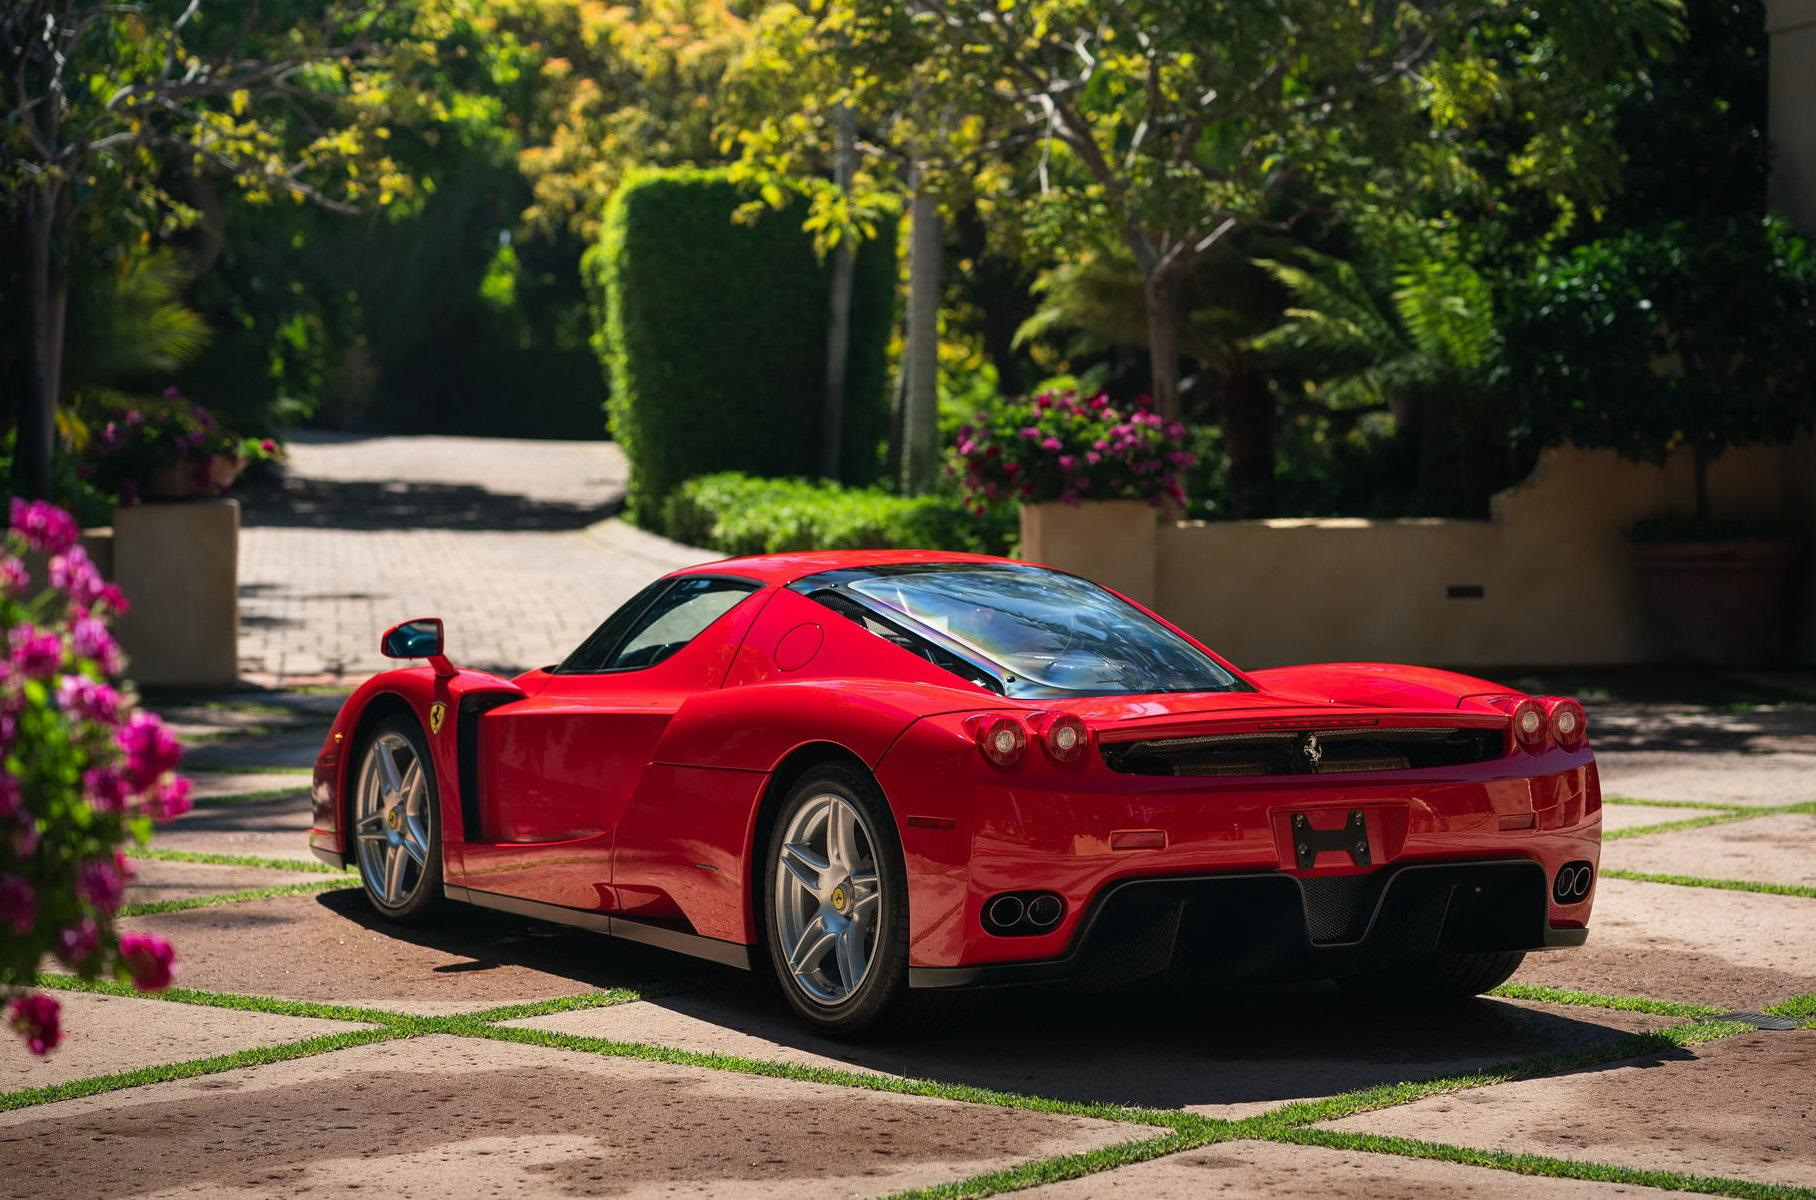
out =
column 1231, row 1053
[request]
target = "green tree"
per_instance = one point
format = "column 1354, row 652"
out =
column 118, row 103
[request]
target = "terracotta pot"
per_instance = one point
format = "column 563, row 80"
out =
column 1718, row 603
column 171, row 483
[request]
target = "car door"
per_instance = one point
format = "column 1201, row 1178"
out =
column 557, row 768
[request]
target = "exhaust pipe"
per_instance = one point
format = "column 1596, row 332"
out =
column 1573, row 882
column 1005, row 912
column 1045, row 910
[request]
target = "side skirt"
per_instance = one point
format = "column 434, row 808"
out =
column 729, row 954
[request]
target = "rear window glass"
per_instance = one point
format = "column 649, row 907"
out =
column 1046, row 632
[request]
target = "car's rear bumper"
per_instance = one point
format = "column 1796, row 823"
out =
column 1267, row 924
column 1084, row 834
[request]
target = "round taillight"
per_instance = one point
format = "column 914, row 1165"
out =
column 1002, row 741
column 1065, row 738
column 1528, row 723
column 1568, row 724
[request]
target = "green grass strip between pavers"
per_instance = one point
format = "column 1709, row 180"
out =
column 242, row 769
column 300, row 789
column 1724, row 817
column 97, row 1084
column 273, row 1005
column 1711, row 805
column 1058, row 1170
column 1729, row 885
column 861, row 1080
column 1390, row 1095
column 264, row 893
column 1803, row 1007
column 1539, row 1164
column 311, row 865
column 1638, row 1004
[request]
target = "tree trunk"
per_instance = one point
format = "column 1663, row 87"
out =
column 1700, row 458
column 46, row 298
column 920, row 423
column 838, row 318
column 1248, row 419
column 1162, row 297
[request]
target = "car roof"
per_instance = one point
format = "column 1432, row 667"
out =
column 786, row 568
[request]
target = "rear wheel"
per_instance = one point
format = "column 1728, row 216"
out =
column 397, row 821
column 835, row 909
column 1438, row 976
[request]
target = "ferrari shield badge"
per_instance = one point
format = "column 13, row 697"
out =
column 437, row 711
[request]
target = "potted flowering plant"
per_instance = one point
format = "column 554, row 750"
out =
column 1060, row 446
column 171, row 451
column 83, row 771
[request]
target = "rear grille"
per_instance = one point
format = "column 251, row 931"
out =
column 1304, row 752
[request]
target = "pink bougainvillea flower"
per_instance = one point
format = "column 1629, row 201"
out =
column 150, row 960
column 100, row 883
column 87, row 700
column 45, row 527
column 25, row 834
column 106, row 789
column 91, row 640
column 35, row 1017
column 170, row 800
column 268, row 446
column 78, row 943
column 35, row 654
column 18, row 904
column 11, row 798
column 113, row 598
column 74, row 573
column 14, row 578
column 151, row 750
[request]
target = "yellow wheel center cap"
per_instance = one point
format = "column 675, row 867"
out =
column 394, row 818
column 838, row 898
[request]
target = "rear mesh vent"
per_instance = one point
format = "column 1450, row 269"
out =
column 1317, row 751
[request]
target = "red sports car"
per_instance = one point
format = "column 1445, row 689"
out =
column 885, row 775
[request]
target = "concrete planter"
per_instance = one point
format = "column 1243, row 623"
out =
column 179, row 567
column 1112, row 542
column 1722, row 604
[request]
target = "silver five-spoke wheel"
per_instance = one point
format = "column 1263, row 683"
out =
column 827, row 898
column 391, row 819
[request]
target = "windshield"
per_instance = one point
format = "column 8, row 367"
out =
column 1046, row 632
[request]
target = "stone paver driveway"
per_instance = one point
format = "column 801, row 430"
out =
column 314, row 1049
column 510, row 541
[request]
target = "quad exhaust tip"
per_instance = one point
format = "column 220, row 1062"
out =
column 1023, row 914
column 1573, row 882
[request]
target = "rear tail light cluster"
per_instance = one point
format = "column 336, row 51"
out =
column 1003, row 740
column 1537, row 720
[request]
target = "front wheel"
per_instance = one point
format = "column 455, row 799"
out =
column 397, row 821
column 835, row 909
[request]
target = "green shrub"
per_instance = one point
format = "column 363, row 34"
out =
column 742, row 514
column 713, row 335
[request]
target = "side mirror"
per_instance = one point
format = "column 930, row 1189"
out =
column 421, row 638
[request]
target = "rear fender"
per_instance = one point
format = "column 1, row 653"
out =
column 443, row 706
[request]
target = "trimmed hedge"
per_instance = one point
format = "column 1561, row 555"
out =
column 713, row 335
column 741, row 514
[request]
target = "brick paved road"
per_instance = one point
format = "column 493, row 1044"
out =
column 512, row 542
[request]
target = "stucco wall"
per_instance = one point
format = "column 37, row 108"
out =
column 1546, row 580
column 1791, row 91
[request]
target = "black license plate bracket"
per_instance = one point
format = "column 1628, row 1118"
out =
column 1350, row 838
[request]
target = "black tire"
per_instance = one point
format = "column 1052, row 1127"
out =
column 1437, row 977
column 426, row 899
column 882, row 1004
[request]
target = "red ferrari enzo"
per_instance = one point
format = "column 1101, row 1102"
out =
column 891, row 774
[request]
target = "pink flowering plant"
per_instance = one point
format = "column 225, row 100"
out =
column 161, row 449
column 1067, row 447
column 83, row 772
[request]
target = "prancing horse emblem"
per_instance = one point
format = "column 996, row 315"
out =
column 437, row 711
column 1309, row 747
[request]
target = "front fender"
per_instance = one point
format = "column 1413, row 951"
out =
column 420, row 690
